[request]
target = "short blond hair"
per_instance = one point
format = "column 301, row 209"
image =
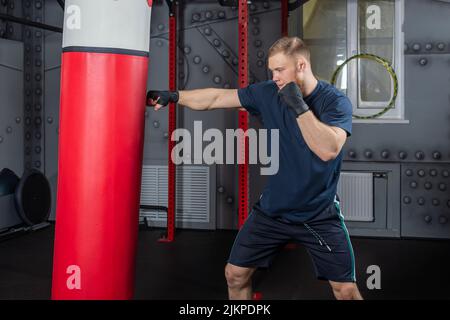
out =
column 290, row 46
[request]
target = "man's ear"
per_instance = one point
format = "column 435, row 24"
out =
column 300, row 64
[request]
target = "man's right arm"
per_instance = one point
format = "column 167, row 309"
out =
column 209, row 98
column 206, row 99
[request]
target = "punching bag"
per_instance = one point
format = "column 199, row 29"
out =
column 101, row 133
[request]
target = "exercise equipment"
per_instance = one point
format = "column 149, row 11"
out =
column 8, row 182
column 103, row 87
column 33, row 197
column 25, row 202
column 387, row 65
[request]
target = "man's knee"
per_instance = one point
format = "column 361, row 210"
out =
column 345, row 291
column 237, row 277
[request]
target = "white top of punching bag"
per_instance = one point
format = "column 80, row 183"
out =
column 107, row 24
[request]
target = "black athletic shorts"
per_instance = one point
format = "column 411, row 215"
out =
column 325, row 237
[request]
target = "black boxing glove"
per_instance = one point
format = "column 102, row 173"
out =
column 293, row 97
column 162, row 97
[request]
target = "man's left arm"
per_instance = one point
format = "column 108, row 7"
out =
column 324, row 140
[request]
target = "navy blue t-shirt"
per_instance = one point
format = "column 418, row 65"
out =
column 304, row 185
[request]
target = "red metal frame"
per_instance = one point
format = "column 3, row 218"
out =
column 284, row 17
column 171, row 201
column 243, row 178
column 243, row 115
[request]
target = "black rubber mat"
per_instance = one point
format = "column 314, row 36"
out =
column 192, row 268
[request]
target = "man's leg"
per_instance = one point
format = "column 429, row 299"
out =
column 239, row 282
column 345, row 290
column 328, row 241
column 257, row 242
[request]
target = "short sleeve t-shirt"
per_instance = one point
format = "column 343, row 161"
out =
column 304, row 185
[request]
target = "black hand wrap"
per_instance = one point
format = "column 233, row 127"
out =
column 165, row 97
column 293, row 97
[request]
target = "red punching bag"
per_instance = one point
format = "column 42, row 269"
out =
column 101, row 136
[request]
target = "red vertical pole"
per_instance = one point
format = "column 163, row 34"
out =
column 284, row 17
column 171, row 205
column 243, row 115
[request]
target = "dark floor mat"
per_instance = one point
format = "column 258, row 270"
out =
column 192, row 268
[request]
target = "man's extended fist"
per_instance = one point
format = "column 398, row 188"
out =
column 163, row 98
column 293, row 97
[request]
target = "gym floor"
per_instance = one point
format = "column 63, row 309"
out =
column 192, row 268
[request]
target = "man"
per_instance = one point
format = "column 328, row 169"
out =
column 299, row 202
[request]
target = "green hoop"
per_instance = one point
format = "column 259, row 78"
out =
column 387, row 65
